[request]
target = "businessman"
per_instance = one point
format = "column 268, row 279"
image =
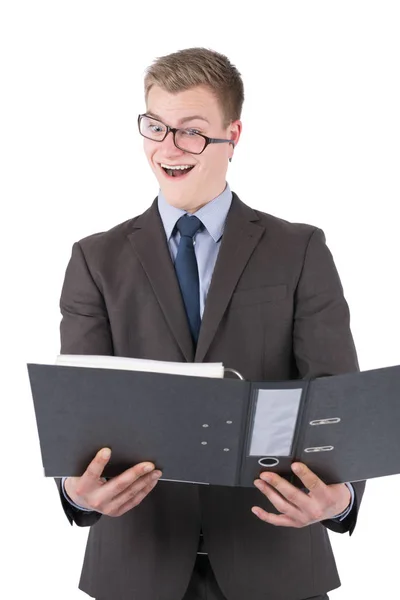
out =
column 200, row 276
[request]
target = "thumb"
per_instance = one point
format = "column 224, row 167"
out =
column 96, row 467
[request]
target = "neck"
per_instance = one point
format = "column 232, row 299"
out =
column 192, row 209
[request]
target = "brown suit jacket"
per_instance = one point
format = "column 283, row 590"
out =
column 275, row 310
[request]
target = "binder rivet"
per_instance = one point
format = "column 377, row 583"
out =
column 205, row 425
column 204, row 443
column 226, row 449
column 229, row 422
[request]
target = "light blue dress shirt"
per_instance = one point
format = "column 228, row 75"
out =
column 206, row 244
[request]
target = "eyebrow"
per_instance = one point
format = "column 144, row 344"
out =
column 184, row 120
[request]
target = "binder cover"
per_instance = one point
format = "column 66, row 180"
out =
column 218, row 431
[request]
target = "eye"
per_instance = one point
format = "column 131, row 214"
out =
column 190, row 132
column 152, row 126
column 156, row 128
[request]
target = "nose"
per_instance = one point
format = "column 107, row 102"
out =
column 169, row 146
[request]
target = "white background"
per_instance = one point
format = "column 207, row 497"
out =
column 320, row 145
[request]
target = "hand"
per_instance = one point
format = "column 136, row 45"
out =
column 116, row 496
column 298, row 508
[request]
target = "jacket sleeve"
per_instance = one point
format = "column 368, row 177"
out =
column 85, row 326
column 84, row 329
column 322, row 340
column 79, row 517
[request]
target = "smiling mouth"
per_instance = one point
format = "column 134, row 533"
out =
column 176, row 173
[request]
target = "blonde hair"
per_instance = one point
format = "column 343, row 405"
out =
column 191, row 67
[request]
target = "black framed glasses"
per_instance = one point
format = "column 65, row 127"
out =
column 188, row 140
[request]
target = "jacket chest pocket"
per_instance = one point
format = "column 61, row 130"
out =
column 259, row 295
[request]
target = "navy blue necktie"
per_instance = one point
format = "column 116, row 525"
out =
column 188, row 273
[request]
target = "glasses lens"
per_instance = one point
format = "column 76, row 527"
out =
column 186, row 139
column 152, row 129
column 190, row 141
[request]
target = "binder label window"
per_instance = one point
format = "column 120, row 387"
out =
column 274, row 422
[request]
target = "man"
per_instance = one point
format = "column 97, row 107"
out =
column 200, row 276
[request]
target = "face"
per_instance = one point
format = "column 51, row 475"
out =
column 207, row 179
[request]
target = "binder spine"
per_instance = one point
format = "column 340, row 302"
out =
column 247, row 412
column 302, row 421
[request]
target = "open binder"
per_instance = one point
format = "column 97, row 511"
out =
column 218, row 431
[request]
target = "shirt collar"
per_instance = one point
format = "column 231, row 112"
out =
column 212, row 215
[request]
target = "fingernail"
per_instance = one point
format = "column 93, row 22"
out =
column 148, row 468
column 106, row 453
column 156, row 475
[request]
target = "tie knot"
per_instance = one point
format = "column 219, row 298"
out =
column 188, row 226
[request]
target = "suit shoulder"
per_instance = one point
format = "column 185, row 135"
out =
column 110, row 241
column 287, row 229
column 110, row 236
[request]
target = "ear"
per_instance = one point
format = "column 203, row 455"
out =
column 233, row 145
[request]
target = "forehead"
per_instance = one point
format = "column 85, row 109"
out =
column 175, row 109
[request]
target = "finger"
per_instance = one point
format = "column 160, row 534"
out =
column 279, row 501
column 295, row 496
column 311, row 481
column 136, row 499
column 109, row 503
column 136, row 487
column 119, row 484
column 92, row 476
column 272, row 519
column 104, row 500
column 96, row 467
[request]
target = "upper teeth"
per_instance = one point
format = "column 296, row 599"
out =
column 176, row 166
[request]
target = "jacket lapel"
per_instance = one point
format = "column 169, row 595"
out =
column 241, row 236
column 150, row 245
